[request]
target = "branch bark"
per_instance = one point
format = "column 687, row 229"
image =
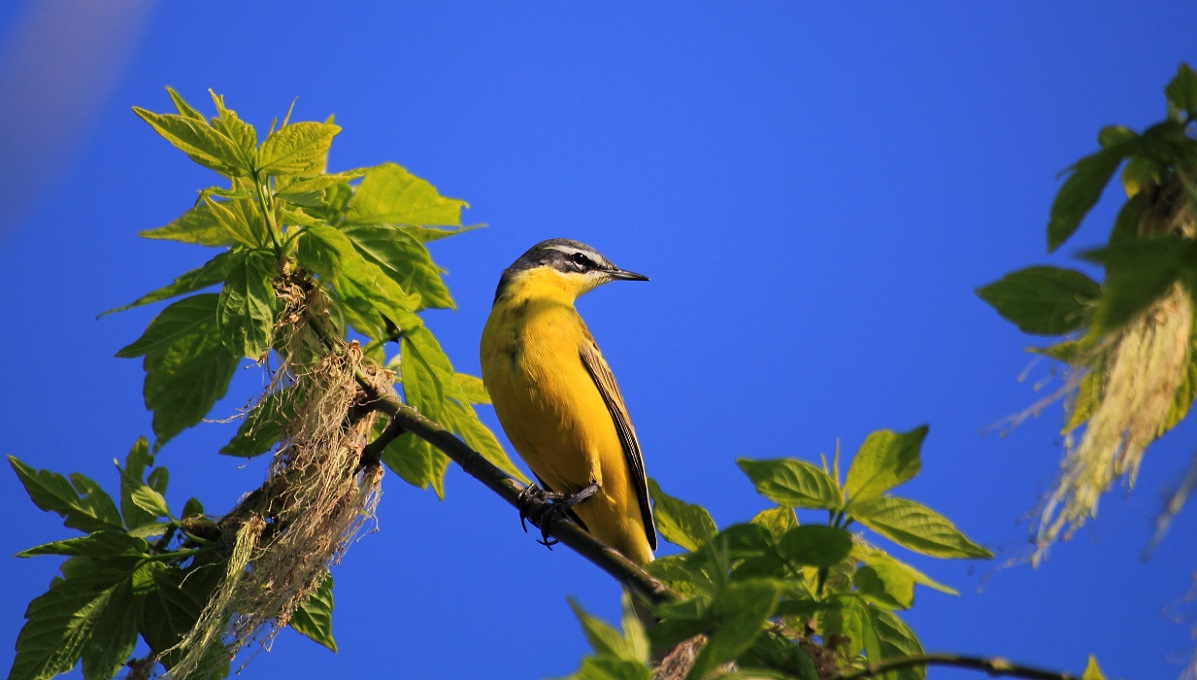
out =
column 409, row 420
column 993, row 666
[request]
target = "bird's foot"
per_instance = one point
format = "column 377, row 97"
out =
column 541, row 507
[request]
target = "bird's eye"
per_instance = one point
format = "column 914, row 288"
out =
column 579, row 259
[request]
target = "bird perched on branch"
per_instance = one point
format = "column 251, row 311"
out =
column 557, row 399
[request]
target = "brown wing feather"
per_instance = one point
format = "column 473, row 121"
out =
column 601, row 374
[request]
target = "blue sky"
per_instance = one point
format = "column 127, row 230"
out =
column 814, row 188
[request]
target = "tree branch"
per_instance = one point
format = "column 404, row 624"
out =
column 407, row 419
column 993, row 666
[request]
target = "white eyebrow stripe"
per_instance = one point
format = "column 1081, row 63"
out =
column 570, row 250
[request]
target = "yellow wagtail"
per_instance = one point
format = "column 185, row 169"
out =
column 557, row 399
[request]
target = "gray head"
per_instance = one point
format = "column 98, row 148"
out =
column 582, row 265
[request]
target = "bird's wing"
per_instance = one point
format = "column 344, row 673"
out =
column 601, row 374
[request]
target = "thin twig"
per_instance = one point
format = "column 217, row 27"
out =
column 372, row 454
column 993, row 666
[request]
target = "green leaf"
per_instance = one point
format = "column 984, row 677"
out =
column 242, row 134
column 471, row 388
column 212, row 272
column 681, row 523
column 181, row 319
column 1138, row 272
column 102, row 543
column 114, row 635
column 246, row 308
column 1113, row 135
column 1182, row 91
column 198, row 225
column 815, row 545
column 463, row 420
column 890, row 590
column 894, row 640
column 297, row 148
column 1043, row 300
column 777, row 520
column 314, row 617
column 885, row 460
column 262, row 427
column 427, row 235
column 608, row 642
column 313, row 186
column 890, row 569
column 239, row 218
column 81, row 502
column 417, row 462
column 390, row 194
column 740, row 612
column 792, row 483
column 1086, row 181
column 378, row 302
column 187, row 368
column 916, row 527
column 136, row 463
column 594, row 668
column 184, row 108
column 201, row 143
column 1088, row 398
column 845, row 621
column 150, row 501
column 172, row 604
column 64, row 623
column 404, row 260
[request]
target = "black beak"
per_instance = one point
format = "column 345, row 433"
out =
column 625, row 275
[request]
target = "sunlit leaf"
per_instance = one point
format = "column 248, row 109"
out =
column 916, row 527
column 389, row 194
column 777, row 520
column 404, row 260
column 199, row 225
column 885, row 460
column 894, row 640
column 681, row 523
column 792, row 483
column 202, row 144
column 297, row 148
column 246, row 309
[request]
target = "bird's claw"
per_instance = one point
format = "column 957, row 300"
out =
column 550, row 503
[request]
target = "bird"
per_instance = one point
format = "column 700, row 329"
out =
column 557, row 400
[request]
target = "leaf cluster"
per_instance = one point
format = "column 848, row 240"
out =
column 1149, row 247
column 776, row 598
column 1149, row 259
column 342, row 254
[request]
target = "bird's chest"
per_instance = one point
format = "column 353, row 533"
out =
column 542, row 393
